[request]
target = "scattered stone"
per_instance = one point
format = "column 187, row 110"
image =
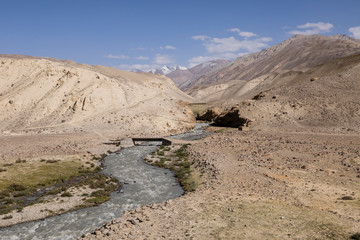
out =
column 259, row 96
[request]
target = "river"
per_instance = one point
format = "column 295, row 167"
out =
column 142, row 184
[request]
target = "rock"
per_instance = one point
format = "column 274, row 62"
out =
column 127, row 143
column 232, row 118
column 209, row 114
column 259, row 96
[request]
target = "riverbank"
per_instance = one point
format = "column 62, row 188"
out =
column 258, row 185
column 49, row 175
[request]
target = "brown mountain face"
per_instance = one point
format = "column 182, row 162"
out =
column 297, row 53
column 39, row 95
column 323, row 98
column 183, row 78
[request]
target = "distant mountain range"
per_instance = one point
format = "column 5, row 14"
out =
column 297, row 53
column 167, row 69
column 183, row 76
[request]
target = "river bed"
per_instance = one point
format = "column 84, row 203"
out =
column 143, row 184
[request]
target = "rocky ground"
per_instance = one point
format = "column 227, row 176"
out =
column 258, row 185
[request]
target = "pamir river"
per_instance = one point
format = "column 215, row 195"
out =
column 142, row 184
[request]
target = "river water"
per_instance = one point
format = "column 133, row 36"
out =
column 142, row 184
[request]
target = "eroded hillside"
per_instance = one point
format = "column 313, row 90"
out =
column 52, row 96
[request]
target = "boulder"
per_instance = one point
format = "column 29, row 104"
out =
column 232, row 118
column 209, row 114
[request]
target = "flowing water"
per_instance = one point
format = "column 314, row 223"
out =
column 142, row 184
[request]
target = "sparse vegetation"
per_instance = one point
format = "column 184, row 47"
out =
column 52, row 161
column 26, row 183
column 198, row 107
column 20, row 161
column 178, row 162
column 8, row 217
column 66, row 194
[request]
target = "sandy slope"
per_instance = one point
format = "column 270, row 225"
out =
column 43, row 95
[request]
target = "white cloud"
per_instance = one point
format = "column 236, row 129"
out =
column 355, row 31
column 200, row 59
column 200, row 37
column 141, row 67
column 230, row 47
column 163, row 59
column 142, row 58
column 168, row 47
column 265, row 39
column 231, row 44
column 118, row 57
column 313, row 28
column 243, row 34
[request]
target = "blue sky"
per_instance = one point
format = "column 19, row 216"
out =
column 147, row 34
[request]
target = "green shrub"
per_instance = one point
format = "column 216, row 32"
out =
column 16, row 187
column 52, row 161
column 66, row 194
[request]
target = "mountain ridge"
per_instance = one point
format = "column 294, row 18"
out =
column 296, row 53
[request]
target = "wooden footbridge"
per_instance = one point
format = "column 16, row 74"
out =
column 136, row 141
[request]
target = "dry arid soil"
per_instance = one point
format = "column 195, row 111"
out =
column 293, row 174
column 258, row 185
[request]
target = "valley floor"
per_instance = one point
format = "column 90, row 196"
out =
column 37, row 161
column 258, row 185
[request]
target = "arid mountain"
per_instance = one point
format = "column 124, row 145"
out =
column 323, row 98
column 184, row 78
column 300, row 52
column 54, row 96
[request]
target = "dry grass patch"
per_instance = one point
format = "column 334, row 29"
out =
column 176, row 159
column 198, row 107
column 34, row 181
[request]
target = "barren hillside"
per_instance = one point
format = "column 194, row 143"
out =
column 53, row 96
column 184, row 78
column 297, row 53
column 324, row 97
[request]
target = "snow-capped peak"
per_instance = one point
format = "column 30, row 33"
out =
column 164, row 70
